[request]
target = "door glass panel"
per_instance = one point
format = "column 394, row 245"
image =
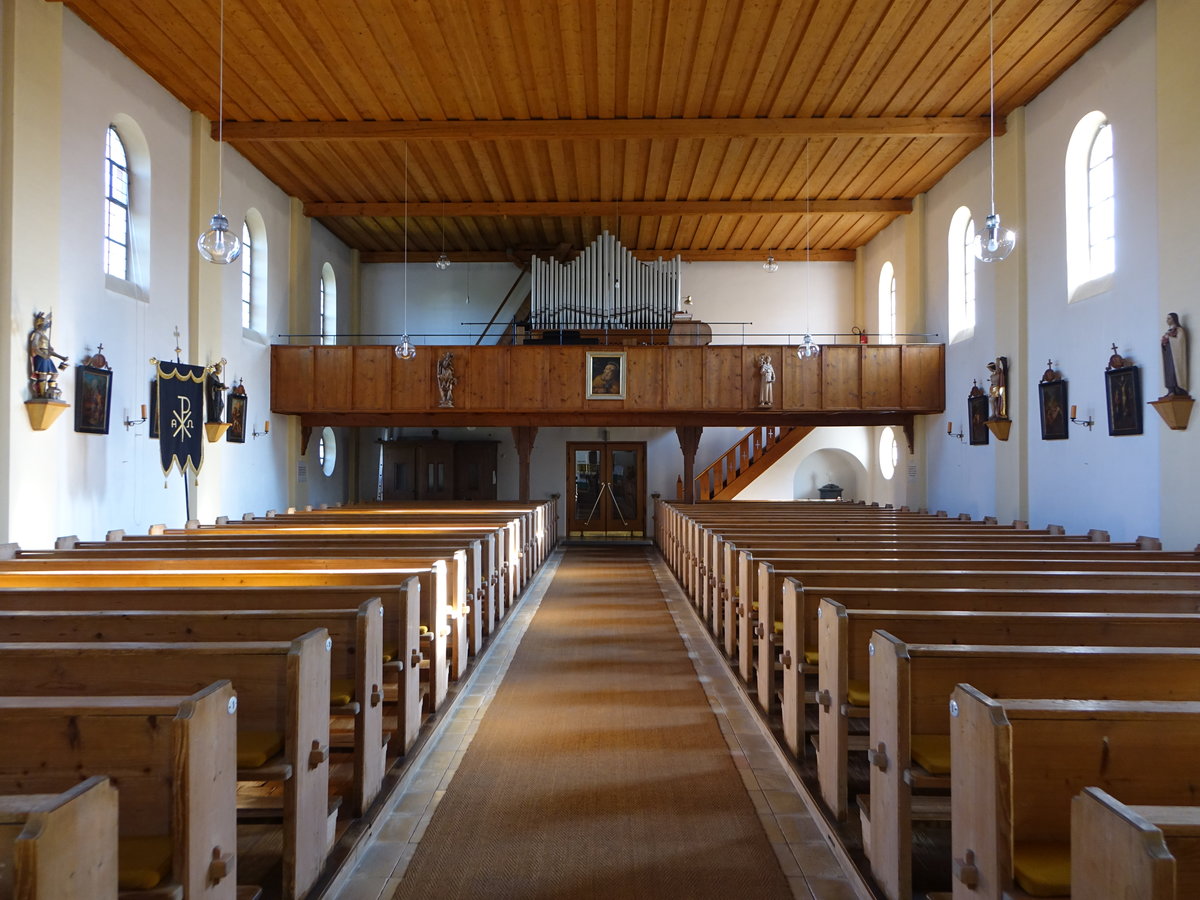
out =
column 624, row 488
column 587, row 484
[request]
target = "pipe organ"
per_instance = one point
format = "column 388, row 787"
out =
column 605, row 287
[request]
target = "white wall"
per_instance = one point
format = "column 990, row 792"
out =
column 64, row 482
column 1091, row 480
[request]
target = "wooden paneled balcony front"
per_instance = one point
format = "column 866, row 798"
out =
column 669, row 386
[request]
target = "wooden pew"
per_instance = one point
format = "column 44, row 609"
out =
column 55, row 846
column 910, row 684
column 446, row 614
column 844, row 664
column 383, row 579
column 1134, row 852
column 356, row 657
column 283, row 688
column 174, row 760
column 1017, row 764
column 401, row 621
column 762, row 643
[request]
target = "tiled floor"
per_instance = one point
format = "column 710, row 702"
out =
column 806, row 860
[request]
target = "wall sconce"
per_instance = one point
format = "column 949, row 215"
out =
column 130, row 423
column 266, row 430
column 1090, row 422
column 950, row 431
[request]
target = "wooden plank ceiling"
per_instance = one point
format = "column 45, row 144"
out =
column 717, row 129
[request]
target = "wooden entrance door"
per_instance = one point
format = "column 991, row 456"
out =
column 606, row 490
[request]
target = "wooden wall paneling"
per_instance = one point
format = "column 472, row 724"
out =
column 371, row 385
column 488, row 368
column 722, row 378
column 922, row 376
column 412, row 381
column 291, row 378
column 842, row 376
column 881, row 376
column 684, row 376
column 333, row 376
column 644, row 388
column 564, row 376
column 527, row 377
column 802, row 381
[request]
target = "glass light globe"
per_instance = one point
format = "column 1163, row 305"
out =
column 770, row 265
column 443, row 262
column 993, row 243
column 809, row 348
column 405, row 349
column 219, row 245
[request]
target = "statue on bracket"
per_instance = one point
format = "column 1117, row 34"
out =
column 446, row 378
column 998, row 422
column 43, row 374
column 1175, row 406
column 766, row 383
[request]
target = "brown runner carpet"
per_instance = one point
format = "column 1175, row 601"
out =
column 599, row 769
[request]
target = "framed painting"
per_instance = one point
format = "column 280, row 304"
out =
column 93, row 399
column 977, row 415
column 1123, row 388
column 605, row 374
column 1052, row 396
column 237, row 419
column 153, row 407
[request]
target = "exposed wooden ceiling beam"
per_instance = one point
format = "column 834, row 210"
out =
column 956, row 127
column 608, row 208
column 424, row 256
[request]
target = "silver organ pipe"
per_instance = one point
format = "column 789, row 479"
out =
column 605, row 287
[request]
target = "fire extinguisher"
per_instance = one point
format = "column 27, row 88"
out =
column 861, row 332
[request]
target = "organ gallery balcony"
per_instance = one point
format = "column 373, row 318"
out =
column 556, row 385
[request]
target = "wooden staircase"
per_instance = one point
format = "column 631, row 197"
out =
column 746, row 460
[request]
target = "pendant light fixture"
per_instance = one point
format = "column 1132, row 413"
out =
column 218, row 244
column 770, row 265
column 443, row 261
column 993, row 243
column 405, row 349
column 808, row 348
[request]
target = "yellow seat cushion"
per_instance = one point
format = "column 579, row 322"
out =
column 932, row 752
column 779, row 628
column 424, row 629
column 858, row 693
column 812, row 657
column 254, row 748
column 341, row 691
column 143, row 862
column 390, row 652
column 1043, row 868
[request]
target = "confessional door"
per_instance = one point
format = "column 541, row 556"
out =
column 606, row 490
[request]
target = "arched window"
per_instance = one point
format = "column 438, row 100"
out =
column 328, row 305
column 960, row 275
column 116, row 207
column 247, row 275
column 1091, row 208
column 889, row 453
column 887, row 304
column 254, row 272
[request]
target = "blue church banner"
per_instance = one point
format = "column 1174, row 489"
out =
column 180, row 415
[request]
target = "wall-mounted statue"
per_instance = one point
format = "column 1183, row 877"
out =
column 43, row 374
column 1174, row 355
column 766, row 382
column 214, row 390
column 998, row 387
column 446, row 378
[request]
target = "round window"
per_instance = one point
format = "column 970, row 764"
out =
column 327, row 451
column 889, row 452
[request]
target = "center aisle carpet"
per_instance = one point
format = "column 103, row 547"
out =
column 599, row 769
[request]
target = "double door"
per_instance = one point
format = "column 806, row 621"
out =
column 606, row 493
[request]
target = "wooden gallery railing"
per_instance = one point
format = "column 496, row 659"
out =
column 557, row 385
